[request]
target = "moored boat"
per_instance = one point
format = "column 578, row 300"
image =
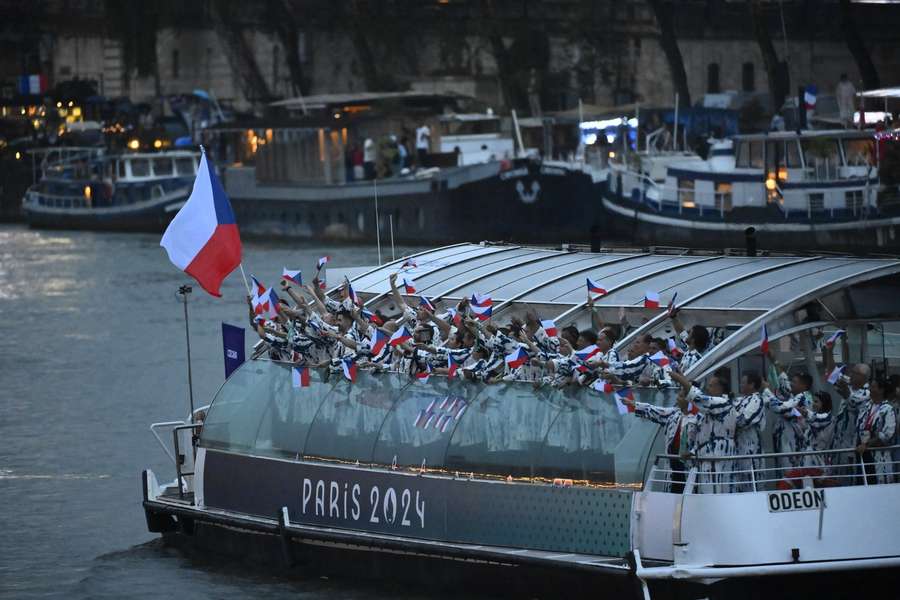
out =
column 89, row 188
column 511, row 475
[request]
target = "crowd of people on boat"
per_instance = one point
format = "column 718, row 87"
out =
column 705, row 428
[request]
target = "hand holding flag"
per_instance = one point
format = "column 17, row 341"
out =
column 672, row 309
column 624, row 401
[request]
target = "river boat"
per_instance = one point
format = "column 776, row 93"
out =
column 291, row 174
column 806, row 190
column 92, row 188
column 558, row 482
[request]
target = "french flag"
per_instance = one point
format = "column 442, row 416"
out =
column 670, row 309
column 423, row 376
column 400, row 336
column 292, row 276
column 481, row 300
column 586, row 353
column 764, row 340
column 379, row 340
column 595, row 288
column 426, row 304
column 349, row 368
column 410, row 288
column 516, row 359
column 830, row 342
column 674, row 350
column 483, row 313
column 549, row 328
column 651, row 300
column 603, row 386
column 624, row 394
column 660, row 359
column 203, row 240
column 300, row 376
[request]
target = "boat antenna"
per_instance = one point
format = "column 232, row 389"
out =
column 391, row 221
column 377, row 222
column 184, row 291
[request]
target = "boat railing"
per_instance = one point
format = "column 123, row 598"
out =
column 772, row 471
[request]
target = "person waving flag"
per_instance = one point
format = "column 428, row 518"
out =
column 624, row 394
column 830, row 342
column 349, row 368
column 516, row 359
column 203, row 240
column 660, row 359
column 549, row 327
column 672, row 308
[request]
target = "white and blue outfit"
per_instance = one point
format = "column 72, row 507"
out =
column 716, row 427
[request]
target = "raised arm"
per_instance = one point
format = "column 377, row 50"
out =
column 395, row 293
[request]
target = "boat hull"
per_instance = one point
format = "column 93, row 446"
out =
column 527, row 202
column 634, row 221
column 149, row 216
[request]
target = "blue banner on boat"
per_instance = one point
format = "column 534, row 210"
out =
column 233, row 347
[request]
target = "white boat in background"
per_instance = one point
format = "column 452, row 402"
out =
column 556, row 483
column 804, row 190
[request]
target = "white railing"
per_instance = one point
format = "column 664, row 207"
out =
column 770, row 472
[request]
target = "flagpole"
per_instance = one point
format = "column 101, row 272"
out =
column 244, row 275
column 183, row 291
column 377, row 223
column 393, row 254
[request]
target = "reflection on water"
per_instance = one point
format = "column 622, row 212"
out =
column 92, row 352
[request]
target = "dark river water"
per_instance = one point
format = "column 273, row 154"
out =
column 92, row 351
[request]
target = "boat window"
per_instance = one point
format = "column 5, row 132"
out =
column 755, row 152
column 822, row 154
column 686, row 193
column 162, row 166
column 122, row 173
column 184, row 166
column 817, row 202
column 858, row 152
column 741, row 155
column 140, row 167
column 792, row 154
column 723, row 196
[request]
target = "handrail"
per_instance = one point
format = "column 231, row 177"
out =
column 178, row 470
column 155, row 426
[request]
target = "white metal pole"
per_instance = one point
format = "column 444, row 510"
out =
column 391, row 221
column 675, row 130
column 518, row 132
column 637, row 127
column 377, row 222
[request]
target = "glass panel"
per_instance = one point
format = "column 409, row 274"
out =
column 741, row 154
column 502, row 433
column 756, row 155
column 162, row 166
column 350, row 419
column 140, row 167
column 858, row 152
column 451, row 278
column 257, row 409
column 421, row 423
column 777, row 294
column 792, row 152
column 184, row 165
column 723, row 196
column 121, row 164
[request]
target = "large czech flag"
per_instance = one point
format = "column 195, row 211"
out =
column 202, row 240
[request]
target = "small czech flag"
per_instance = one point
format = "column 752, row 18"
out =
column 482, row 312
column 624, row 394
column 351, row 293
column 835, row 374
column 426, row 304
column 400, row 336
column 660, row 359
column 595, row 288
column 409, row 263
column 300, row 376
column 693, row 409
column 764, row 340
column 455, row 316
column 516, row 359
column 371, row 317
column 481, row 300
column 452, row 366
column 586, row 353
column 670, row 309
column 379, row 340
column 651, row 300
column 260, row 288
column 410, row 288
column 674, row 350
column 423, row 376
column 321, row 263
column 292, row 276
column 549, row 328
column 349, row 368
column 830, row 342
column 602, row 386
